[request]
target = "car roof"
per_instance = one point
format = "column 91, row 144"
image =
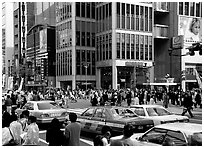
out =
column 42, row 101
column 146, row 106
column 183, row 127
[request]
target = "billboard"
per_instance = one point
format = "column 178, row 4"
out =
column 43, row 40
column 190, row 28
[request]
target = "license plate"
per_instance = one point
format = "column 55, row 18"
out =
column 55, row 115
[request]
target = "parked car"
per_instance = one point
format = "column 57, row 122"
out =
column 158, row 114
column 173, row 134
column 44, row 111
column 94, row 118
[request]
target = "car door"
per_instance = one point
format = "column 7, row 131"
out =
column 98, row 120
column 86, row 119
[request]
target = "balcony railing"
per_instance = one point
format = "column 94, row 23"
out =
column 161, row 6
column 160, row 31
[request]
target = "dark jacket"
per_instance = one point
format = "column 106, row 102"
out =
column 55, row 137
column 187, row 102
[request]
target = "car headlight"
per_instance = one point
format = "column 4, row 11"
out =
column 44, row 115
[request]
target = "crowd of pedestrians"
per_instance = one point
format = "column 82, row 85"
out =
column 23, row 130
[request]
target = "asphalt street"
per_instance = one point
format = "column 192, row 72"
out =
column 87, row 141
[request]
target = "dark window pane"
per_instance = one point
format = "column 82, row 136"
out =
column 78, row 9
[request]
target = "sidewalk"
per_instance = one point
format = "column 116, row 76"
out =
column 179, row 109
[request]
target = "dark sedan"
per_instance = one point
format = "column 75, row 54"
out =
column 94, row 118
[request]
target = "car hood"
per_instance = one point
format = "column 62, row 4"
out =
column 168, row 118
column 137, row 142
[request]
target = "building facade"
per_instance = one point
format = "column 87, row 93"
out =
column 23, row 17
column 7, row 46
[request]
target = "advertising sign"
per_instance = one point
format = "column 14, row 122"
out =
column 43, row 40
column 190, row 28
column 177, row 42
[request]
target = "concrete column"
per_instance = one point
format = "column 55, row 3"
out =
column 98, row 78
column 114, row 68
column 73, row 46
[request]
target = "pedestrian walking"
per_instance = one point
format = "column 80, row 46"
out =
column 8, row 103
column 72, row 131
column 165, row 100
column 6, row 117
column 198, row 99
column 54, row 136
column 31, row 137
column 125, row 140
column 187, row 103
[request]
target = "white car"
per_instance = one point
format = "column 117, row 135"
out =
column 158, row 114
column 44, row 111
column 174, row 134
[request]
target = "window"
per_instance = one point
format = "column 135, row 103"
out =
column 123, row 9
column 78, row 62
column 78, row 38
column 137, row 17
column 99, row 113
column 177, row 137
column 141, row 18
column 88, row 39
column 88, row 10
column 118, row 45
column 89, row 113
column 128, row 45
column 118, row 8
column 180, row 8
column 146, row 47
column 186, row 8
column 150, row 19
column 198, row 9
column 28, row 106
column 141, row 47
column 123, row 46
column 150, row 48
column 139, row 111
column 82, row 9
column 137, row 47
column 155, row 136
column 93, row 10
column 132, row 46
column 146, row 18
column 83, row 39
column 192, row 8
column 78, row 9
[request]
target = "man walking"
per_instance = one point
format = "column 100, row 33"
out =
column 187, row 103
column 72, row 131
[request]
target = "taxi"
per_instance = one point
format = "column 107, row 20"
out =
column 44, row 111
column 158, row 114
column 169, row 134
column 94, row 118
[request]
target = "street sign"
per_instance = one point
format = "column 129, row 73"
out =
column 177, row 42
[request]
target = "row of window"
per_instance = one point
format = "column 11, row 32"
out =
column 63, row 11
column 64, row 35
column 134, row 46
column 85, row 60
column 64, row 63
column 85, row 33
column 86, row 10
column 104, row 47
column 134, row 17
column 190, row 9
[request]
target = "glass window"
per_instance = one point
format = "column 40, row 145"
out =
column 82, row 9
column 99, row 113
column 93, row 10
column 150, row 48
column 123, row 8
column 118, row 8
column 146, row 18
column 118, row 45
column 155, row 136
column 132, row 46
column 192, row 8
column 93, row 39
column 139, row 111
column 177, row 137
column 123, row 45
column 89, row 112
column 78, row 38
column 78, row 9
column 88, row 10
column 128, row 9
column 110, row 9
column 137, row 47
column 78, row 61
column 150, row 19
column 128, row 45
column 88, row 39
column 142, row 18
column 28, row 106
column 83, row 39
column 45, row 106
column 141, row 47
column 137, row 18
column 180, row 8
column 146, row 47
column 186, row 8
column 198, row 9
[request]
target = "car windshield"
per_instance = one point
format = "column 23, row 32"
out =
column 157, row 112
column 48, row 105
column 124, row 113
column 196, row 139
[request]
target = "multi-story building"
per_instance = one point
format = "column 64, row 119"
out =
column 40, row 52
column 172, row 19
column 7, row 45
column 23, row 17
column 75, row 44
